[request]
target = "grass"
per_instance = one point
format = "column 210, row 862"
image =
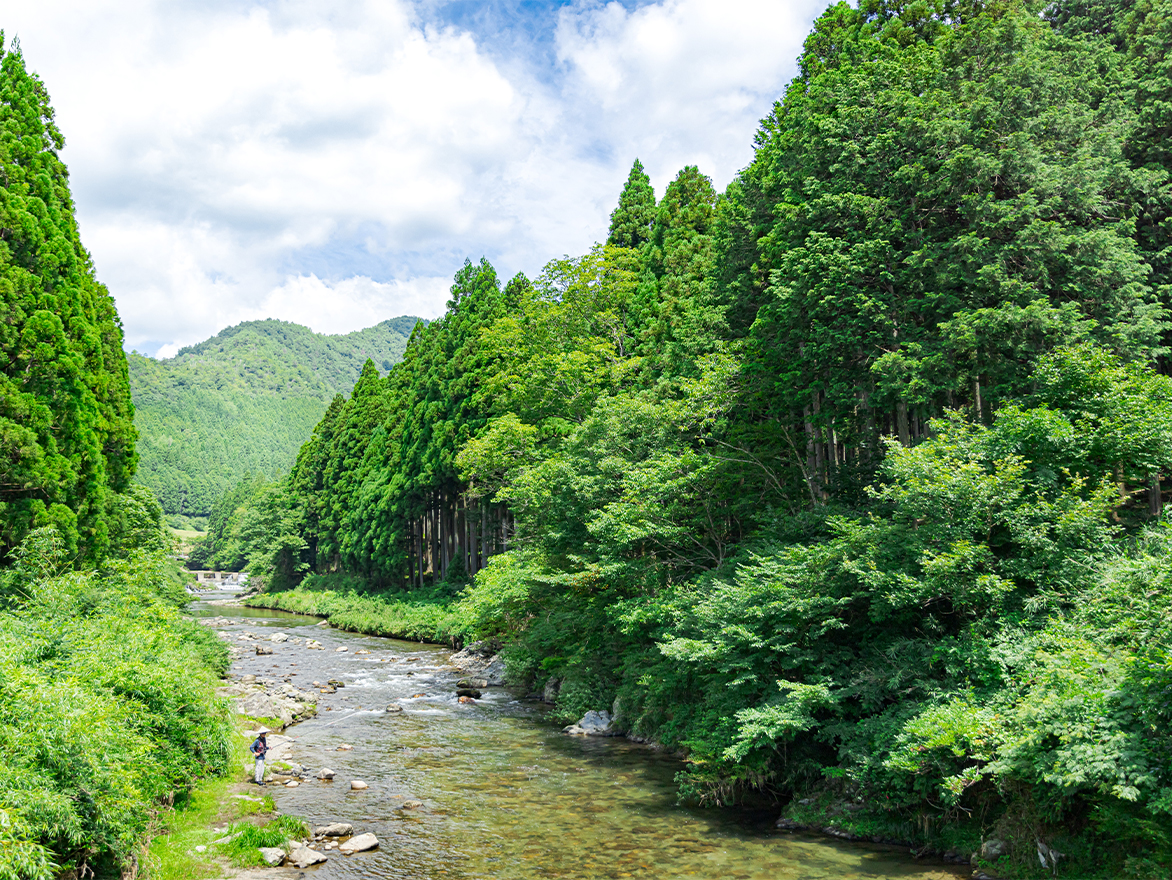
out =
column 188, row 825
column 424, row 616
column 193, row 820
column 247, row 839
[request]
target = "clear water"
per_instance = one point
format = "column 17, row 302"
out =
column 505, row 794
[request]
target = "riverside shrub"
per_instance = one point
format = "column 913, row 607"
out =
column 107, row 708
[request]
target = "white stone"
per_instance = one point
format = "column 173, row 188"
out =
column 278, row 637
column 302, row 856
column 325, row 773
column 273, row 855
column 358, row 785
column 335, row 829
column 361, row 843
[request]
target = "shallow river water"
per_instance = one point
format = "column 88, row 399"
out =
column 504, row 794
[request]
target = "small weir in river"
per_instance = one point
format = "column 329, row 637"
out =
column 501, row 793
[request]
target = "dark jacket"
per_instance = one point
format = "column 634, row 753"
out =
column 259, row 747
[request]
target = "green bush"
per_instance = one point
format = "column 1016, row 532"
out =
column 107, row 708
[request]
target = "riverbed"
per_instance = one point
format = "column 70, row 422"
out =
column 489, row 789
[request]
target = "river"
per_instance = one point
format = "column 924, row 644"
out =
column 504, row 794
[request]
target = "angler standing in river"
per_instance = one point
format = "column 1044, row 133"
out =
column 258, row 748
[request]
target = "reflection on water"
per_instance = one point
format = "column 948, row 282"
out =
column 488, row 790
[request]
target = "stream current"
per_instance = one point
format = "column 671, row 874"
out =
column 504, row 794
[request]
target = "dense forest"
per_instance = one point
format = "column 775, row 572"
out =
column 107, row 706
column 848, row 481
column 242, row 403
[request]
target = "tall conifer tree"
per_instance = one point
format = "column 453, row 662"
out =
column 630, row 222
column 67, row 438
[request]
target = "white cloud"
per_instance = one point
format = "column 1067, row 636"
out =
column 353, row 302
column 333, row 164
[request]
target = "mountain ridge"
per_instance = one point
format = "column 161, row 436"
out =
column 242, row 402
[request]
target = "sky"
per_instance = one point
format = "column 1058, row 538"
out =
column 334, row 163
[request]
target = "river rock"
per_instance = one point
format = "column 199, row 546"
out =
column 325, row 773
column 344, row 747
column 360, row 843
column 333, row 682
column 341, row 650
column 302, row 856
column 292, row 783
column 468, row 692
column 593, row 724
column 273, row 855
column 411, row 805
column 549, row 693
column 479, row 659
column 335, row 829
column 278, row 637
column 313, row 645
column 261, row 649
column 465, row 700
column 394, row 707
column 472, row 683
column 358, row 785
column 992, row 849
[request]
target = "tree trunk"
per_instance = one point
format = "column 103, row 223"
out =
column 1155, row 496
column 435, row 556
column 417, row 534
column 901, row 424
column 483, row 531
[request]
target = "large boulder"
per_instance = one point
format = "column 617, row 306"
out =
column 273, row 855
column 480, row 660
column 993, row 849
column 335, row 829
column 593, row 724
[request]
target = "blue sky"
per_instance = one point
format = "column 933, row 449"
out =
column 335, row 163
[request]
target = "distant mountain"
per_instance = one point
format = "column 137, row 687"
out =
column 243, row 402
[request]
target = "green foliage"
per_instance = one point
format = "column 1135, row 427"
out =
column 67, row 438
column 107, row 708
column 849, row 481
column 243, row 402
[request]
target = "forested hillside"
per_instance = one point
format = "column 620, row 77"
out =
column 242, row 403
column 847, row 481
